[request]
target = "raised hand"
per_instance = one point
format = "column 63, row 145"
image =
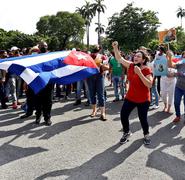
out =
column 115, row 44
column 137, row 70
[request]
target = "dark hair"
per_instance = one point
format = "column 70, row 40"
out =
column 2, row 52
column 96, row 49
column 144, row 56
column 112, row 53
column 162, row 48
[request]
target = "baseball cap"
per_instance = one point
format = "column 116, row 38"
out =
column 14, row 48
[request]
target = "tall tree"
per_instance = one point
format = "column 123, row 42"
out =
column 180, row 14
column 100, row 28
column 62, row 28
column 87, row 13
column 133, row 27
column 99, row 7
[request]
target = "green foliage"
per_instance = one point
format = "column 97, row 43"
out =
column 106, row 43
column 180, row 38
column 100, row 28
column 181, row 14
column 153, row 44
column 99, row 7
column 133, row 27
column 16, row 38
column 61, row 29
column 87, row 13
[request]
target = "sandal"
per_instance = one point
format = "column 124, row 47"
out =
column 103, row 118
column 93, row 114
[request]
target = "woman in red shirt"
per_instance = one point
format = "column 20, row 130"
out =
column 138, row 95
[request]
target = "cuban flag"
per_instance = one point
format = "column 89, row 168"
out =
column 176, row 58
column 62, row 67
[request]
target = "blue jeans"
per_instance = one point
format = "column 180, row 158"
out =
column 177, row 101
column 96, row 87
column 118, row 82
column 79, row 88
column 156, row 95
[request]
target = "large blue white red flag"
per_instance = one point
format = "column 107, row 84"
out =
column 62, row 67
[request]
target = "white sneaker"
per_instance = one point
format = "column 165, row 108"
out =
column 155, row 107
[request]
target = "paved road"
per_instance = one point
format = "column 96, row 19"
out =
column 77, row 147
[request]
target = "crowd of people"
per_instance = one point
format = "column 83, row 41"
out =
column 131, row 75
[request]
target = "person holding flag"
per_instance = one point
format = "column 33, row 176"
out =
column 96, row 84
column 43, row 99
column 41, row 71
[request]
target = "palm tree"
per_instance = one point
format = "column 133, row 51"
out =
column 87, row 13
column 180, row 13
column 100, row 28
column 98, row 7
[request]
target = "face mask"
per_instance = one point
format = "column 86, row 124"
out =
column 43, row 50
column 138, row 64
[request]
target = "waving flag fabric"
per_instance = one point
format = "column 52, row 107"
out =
column 62, row 67
column 176, row 58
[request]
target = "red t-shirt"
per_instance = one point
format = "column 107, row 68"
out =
column 137, row 91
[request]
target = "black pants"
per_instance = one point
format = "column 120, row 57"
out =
column 159, row 84
column 43, row 102
column 58, row 90
column 2, row 94
column 142, row 108
column 30, row 100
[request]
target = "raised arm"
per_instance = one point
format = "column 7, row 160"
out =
column 118, row 55
column 169, row 58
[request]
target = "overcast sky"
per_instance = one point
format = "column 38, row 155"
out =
column 23, row 15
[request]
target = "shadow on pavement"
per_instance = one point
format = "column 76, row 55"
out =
column 9, row 153
column 46, row 132
column 98, row 165
column 161, row 160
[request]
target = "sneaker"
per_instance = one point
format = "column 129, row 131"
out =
column 66, row 97
column 87, row 103
column 177, row 119
column 155, row 106
column 103, row 118
column 38, row 119
column 48, row 122
column 125, row 138
column 115, row 100
column 146, row 140
column 6, row 99
column 151, row 104
column 4, row 106
column 78, row 102
column 25, row 116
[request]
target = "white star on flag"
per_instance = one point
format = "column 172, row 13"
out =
column 81, row 56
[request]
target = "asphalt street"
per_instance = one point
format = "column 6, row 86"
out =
column 78, row 147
